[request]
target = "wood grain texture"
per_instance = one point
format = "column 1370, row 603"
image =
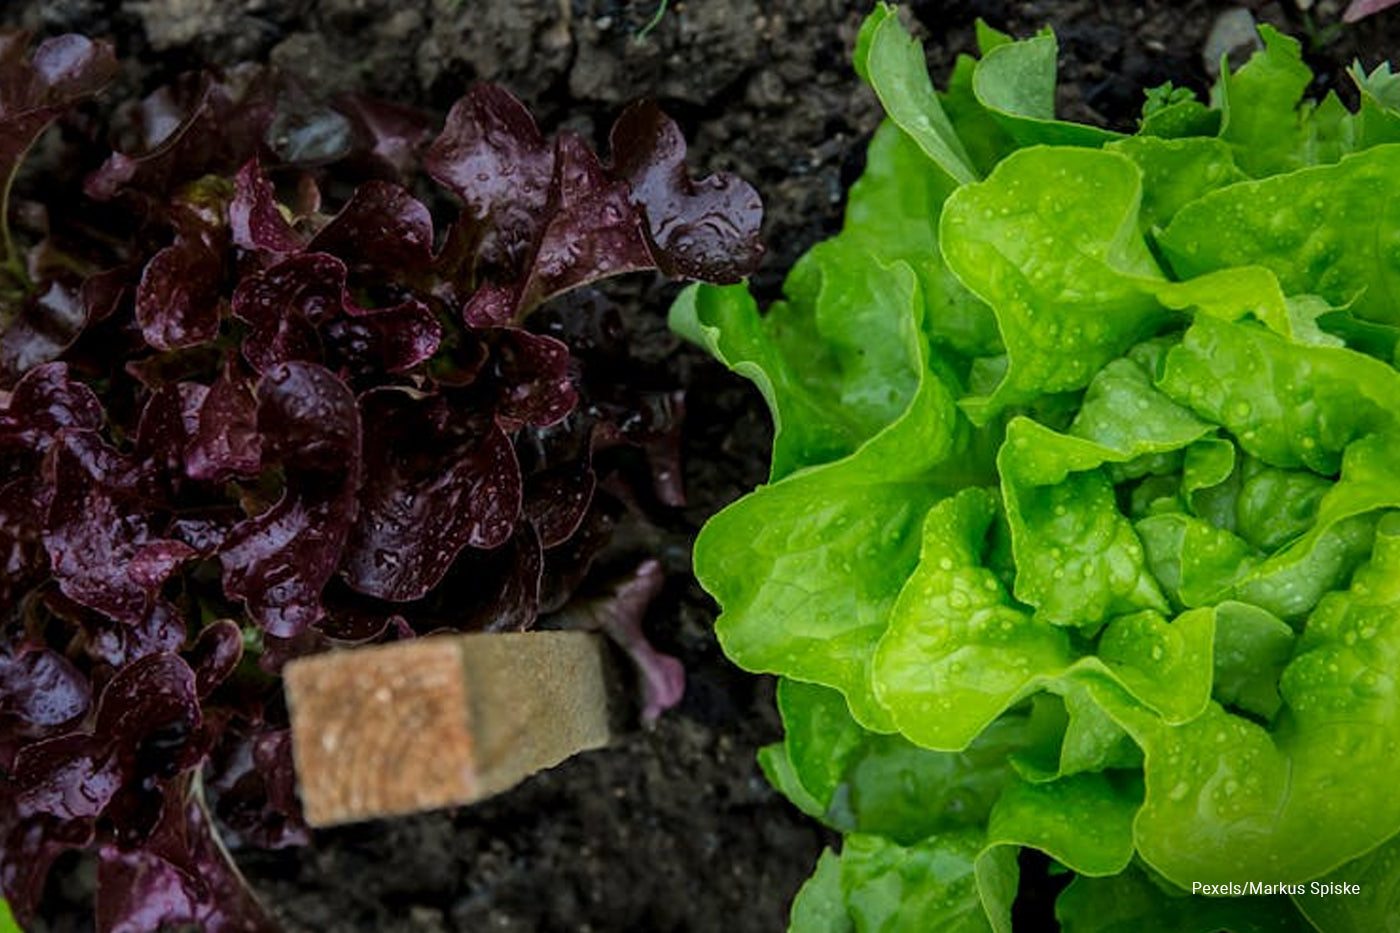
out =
column 441, row 721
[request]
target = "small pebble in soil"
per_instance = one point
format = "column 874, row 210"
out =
column 1234, row 36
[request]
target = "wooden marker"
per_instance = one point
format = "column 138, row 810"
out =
column 442, row 720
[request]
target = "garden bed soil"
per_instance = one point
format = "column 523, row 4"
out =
column 674, row 827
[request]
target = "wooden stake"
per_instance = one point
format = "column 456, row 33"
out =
column 442, row 720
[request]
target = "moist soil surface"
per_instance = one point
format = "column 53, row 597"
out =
column 672, row 827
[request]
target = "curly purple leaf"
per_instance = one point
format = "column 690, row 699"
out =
column 492, row 156
column 62, row 71
column 1360, row 9
column 381, row 227
column 255, row 221
column 619, row 615
column 225, row 442
column 436, row 482
column 705, row 229
column 279, row 561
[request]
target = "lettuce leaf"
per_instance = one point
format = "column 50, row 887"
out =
column 1050, row 242
column 1377, row 902
column 1109, row 570
column 892, row 61
column 820, row 907
column 1327, row 230
column 1134, row 902
column 833, row 572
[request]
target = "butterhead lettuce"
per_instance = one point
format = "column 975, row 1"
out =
column 1083, row 528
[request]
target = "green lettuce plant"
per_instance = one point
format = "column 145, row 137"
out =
column 1081, row 534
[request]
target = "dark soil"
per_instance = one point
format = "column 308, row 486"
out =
column 672, row 828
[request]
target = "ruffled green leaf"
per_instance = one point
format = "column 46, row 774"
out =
column 957, row 653
column 1370, row 901
column 820, row 737
column 1050, row 241
column 1210, row 481
column 1093, row 739
column 831, row 379
column 1260, row 106
column 856, row 781
column 948, row 882
column 1378, row 118
column 987, row 142
column 1331, row 230
column 1078, row 560
column 1176, row 172
column 1134, row 903
column 1175, row 113
column 777, row 766
column 807, row 569
column 892, row 61
column 1164, row 665
column 1015, row 82
column 1286, row 403
column 1200, row 564
column 1228, row 800
column 1275, row 506
column 1084, row 821
column 839, row 359
column 891, row 213
column 820, row 906
column 1252, row 647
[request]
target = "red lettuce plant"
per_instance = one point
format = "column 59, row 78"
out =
column 236, row 427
